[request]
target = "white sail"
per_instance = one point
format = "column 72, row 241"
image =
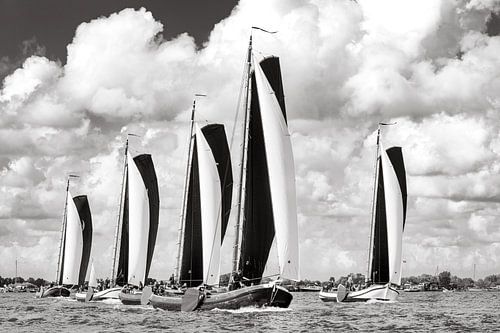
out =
column 138, row 213
column 210, row 202
column 281, row 177
column 92, row 277
column 394, row 211
column 73, row 244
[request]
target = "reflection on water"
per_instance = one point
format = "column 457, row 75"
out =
column 414, row 312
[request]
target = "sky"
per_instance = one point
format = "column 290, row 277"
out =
column 72, row 90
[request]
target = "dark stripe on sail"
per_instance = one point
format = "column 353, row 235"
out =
column 192, row 254
column 122, row 271
column 272, row 69
column 258, row 224
column 380, row 260
column 216, row 138
column 396, row 157
column 83, row 208
column 146, row 168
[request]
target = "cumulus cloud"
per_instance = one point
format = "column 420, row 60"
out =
column 429, row 65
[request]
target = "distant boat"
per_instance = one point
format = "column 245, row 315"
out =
column 266, row 201
column 206, row 209
column 388, row 220
column 309, row 288
column 75, row 246
column 412, row 288
column 137, row 228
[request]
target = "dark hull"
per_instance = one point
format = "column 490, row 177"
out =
column 258, row 296
column 57, row 291
column 131, row 299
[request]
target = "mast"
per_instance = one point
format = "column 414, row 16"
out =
column 120, row 214
column 374, row 201
column 244, row 157
column 63, row 229
column 184, row 195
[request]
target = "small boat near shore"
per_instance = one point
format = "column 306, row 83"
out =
column 75, row 246
column 309, row 289
column 374, row 292
column 386, row 236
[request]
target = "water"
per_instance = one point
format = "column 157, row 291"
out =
column 413, row 312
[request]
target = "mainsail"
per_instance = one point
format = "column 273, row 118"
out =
column 270, row 179
column 208, row 206
column 390, row 215
column 77, row 240
column 139, row 224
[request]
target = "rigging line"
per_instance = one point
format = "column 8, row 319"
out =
column 180, row 239
column 121, row 209
column 63, row 231
column 184, row 194
column 244, row 158
column 214, row 239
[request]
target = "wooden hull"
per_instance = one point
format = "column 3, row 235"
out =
column 373, row 292
column 131, row 298
column 259, row 295
column 57, row 291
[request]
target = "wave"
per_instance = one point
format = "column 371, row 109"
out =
column 112, row 301
column 253, row 309
column 376, row 301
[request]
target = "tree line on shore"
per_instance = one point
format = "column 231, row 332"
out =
column 443, row 279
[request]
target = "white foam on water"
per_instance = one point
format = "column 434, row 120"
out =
column 112, row 301
column 376, row 301
column 253, row 309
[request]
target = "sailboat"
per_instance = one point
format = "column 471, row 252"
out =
column 136, row 229
column 205, row 213
column 75, row 245
column 139, row 227
column 266, row 200
column 388, row 221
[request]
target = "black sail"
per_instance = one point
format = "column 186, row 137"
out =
column 83, row 208
column 122, row 270
column 258, row 225
column 217, row 140
column 191, row 271
column 146, row 168
column 380, row 258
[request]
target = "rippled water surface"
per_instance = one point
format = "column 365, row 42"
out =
column 413, row 312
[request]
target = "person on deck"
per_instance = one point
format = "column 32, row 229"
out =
column 236, row 283
column 349, row 284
